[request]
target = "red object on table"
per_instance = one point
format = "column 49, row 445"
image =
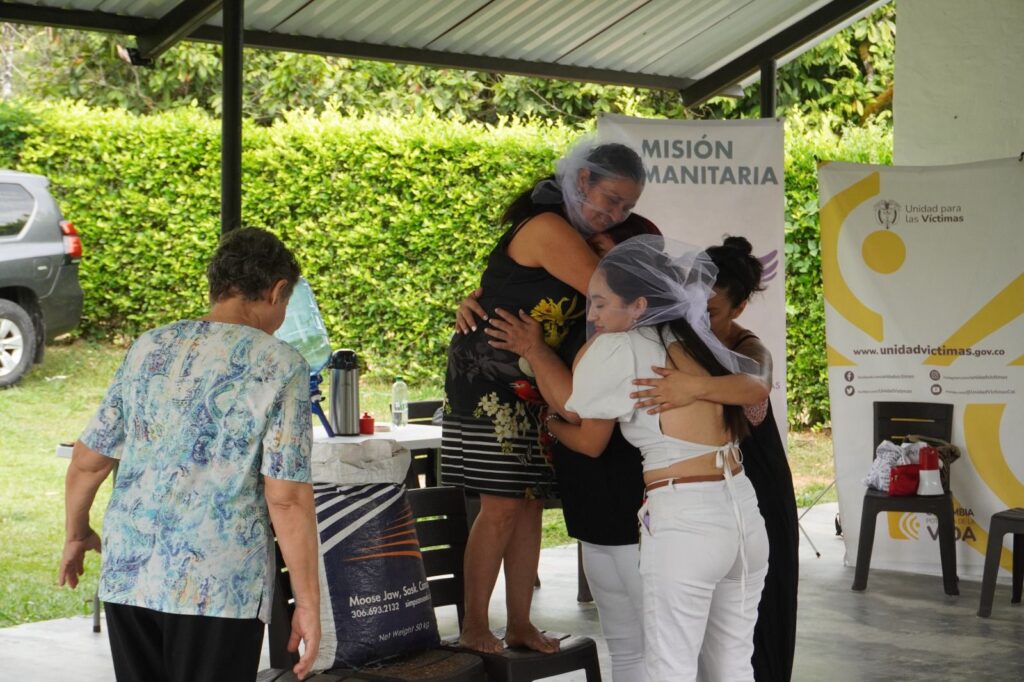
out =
column 366, row 424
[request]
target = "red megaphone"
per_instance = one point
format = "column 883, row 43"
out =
column 929, row 482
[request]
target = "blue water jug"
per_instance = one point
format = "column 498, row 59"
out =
column 303, row 328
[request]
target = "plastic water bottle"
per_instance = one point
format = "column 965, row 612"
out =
column 399, row 403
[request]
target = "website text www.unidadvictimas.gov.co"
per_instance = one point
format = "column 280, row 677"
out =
column 904, row 349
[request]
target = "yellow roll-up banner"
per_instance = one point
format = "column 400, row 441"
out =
column 923, row 271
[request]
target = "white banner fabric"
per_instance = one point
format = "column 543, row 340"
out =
column 709, row 179
column 924, row 293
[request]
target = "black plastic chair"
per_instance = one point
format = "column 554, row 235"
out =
column 278, row 675
column 422, row 411
column 1009, row 521
column 424, row 461
column 442, row 531
column 895, row 421
column 524, row 665
column 442, row 539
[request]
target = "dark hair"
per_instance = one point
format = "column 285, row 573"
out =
column 633, row 226
column 613, row 159
column 523, row 207
column 629, row 287
column 247, row 263
column 739, row 273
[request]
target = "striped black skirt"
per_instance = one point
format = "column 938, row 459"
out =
column 472, row 457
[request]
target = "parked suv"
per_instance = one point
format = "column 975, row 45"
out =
column 40, row 297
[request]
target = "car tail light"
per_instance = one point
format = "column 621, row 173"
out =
column 72, row 242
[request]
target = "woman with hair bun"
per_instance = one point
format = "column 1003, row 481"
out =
column 765, row 463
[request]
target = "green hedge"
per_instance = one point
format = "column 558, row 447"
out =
column 806, row 371
column 391, row 220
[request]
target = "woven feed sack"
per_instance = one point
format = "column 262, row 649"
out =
column 374, row 598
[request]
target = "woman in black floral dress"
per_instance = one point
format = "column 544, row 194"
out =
column 492, row 442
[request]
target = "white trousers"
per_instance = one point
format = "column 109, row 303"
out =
column 700, row 602
column 614, row 578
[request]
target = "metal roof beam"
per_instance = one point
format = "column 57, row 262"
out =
column 90, row 20
column 452, row 60
column 177, row 24
column 785, row 41
column 103, row 21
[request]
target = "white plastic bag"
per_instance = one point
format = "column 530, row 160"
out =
column 887, row 455
column 372, row 461
column 912, row 450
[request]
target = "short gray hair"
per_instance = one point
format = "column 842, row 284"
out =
column 247, row 263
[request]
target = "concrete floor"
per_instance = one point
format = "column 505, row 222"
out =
column 903, row 628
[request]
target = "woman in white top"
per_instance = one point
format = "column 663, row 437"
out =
column 703, row 548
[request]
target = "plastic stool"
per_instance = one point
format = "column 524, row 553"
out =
column 1009, row 521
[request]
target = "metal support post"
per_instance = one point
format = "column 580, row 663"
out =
column 769, row 100
column 231, row 119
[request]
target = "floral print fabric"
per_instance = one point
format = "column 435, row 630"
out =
column 197, row 414
column 494, row 441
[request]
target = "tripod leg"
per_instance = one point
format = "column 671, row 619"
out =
column 815, row 501
column 96, row 611
column 809, row 540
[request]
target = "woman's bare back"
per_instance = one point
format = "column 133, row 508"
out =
column 700, row 421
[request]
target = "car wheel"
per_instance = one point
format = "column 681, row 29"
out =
column 17, row 342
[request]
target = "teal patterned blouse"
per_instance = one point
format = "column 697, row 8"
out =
column 197, row 414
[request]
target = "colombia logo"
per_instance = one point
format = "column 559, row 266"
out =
column 904, row 526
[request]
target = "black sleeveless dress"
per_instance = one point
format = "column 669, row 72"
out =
column 600, row 495
column 491, row 441
column 765, row 464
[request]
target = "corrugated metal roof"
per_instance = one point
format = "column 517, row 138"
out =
column 660, row 43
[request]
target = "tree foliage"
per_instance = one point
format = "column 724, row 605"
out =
column 391, row 220
column 808, row 142
column 848, row 75
column 846, row 79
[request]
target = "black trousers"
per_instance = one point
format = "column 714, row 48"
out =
column 151, row 646
column 764, row 462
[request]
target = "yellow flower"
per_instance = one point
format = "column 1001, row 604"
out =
column 555, row 317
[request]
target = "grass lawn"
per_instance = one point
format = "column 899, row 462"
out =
column 53, row 403
column 50, row 405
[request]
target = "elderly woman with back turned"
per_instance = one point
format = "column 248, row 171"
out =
column 209, row 422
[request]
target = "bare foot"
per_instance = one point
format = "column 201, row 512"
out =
column 482, row 640
column 530, row 637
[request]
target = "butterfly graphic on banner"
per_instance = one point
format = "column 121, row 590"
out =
column 770, row 263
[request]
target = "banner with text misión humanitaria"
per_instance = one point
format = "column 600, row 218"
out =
column 709, row 179
column 923, row 270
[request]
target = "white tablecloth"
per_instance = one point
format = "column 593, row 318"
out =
column 383, row 457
